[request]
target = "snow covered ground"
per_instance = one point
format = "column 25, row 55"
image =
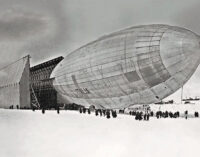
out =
column 70, row 134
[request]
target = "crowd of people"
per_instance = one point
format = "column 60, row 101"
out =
column 12, row 107
column 139, row 115
column 166, row 114
column 100, row 112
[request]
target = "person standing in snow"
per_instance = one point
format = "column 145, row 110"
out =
column 96, row 112
column 107, row 114
column 145, row 115
column 43, row 110
column 196, row 114
column 148, row 116
column 186, row 114
column 84, row 110
column 100, row 111
column 58, row 110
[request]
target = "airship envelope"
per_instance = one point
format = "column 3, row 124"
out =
column 137, row 65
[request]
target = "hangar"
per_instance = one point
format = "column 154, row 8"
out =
column 41, row 85
column 14, row 84
column 22, row 86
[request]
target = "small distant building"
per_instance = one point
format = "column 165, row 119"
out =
column 165, row 102
column 43, row 93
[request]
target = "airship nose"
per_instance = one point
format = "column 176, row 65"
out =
column 191, row 46
column 180, row 53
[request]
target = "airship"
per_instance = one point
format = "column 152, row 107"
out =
column 137, row 65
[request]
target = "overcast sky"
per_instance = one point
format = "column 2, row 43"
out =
column 49, row 28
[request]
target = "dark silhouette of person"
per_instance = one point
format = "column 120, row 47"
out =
column 33, row 108
column 100, row 112
column 152, row 114
column 43, row 110
column 196, row 114
column 186, row 114
column 114, row 114
column 145, row 117
column 107, row 114
column 96, row 112
column 84, row 110
column 80, row 110
column 104, row 113
column 157, row 115
column 148, row 117
column 58, row 110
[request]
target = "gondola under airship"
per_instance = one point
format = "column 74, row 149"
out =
column 138, row 65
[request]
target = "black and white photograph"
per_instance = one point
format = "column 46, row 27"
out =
column 99, row 78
